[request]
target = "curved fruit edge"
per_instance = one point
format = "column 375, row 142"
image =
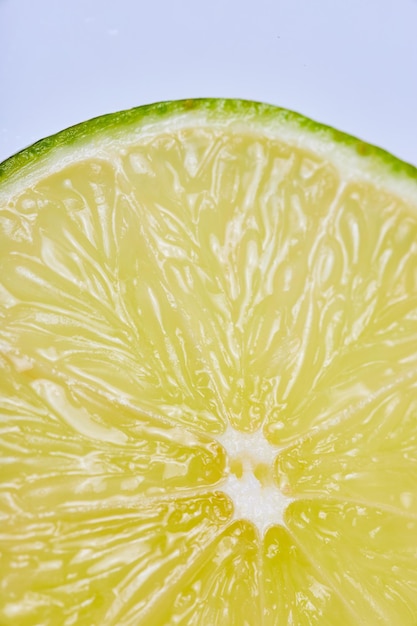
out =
column 371, row 161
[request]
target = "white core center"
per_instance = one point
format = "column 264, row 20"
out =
column 250, row 484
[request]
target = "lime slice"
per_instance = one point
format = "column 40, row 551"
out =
column 208, row 374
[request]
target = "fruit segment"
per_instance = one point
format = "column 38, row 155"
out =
column 368, row 556
column 119, row 561
column 223, row 584
column 296, row 589
column 365, row 456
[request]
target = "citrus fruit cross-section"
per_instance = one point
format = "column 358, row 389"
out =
column 208, row 374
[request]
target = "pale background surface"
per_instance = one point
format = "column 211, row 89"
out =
column 349, row 63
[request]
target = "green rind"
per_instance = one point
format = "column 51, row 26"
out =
column 215, row 109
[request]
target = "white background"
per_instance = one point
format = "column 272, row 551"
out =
column 348, row 63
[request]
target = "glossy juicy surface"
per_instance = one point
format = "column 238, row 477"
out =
column 200, row 320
